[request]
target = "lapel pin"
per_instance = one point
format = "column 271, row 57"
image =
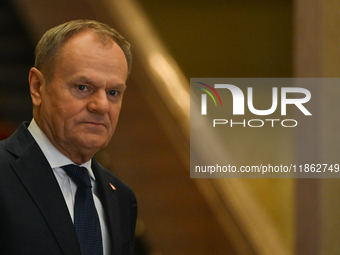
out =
column 113, row 187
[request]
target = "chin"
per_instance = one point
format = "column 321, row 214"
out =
column 93, row 144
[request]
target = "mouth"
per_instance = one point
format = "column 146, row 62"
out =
column 94, row 123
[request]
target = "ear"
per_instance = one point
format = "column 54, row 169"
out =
column 37, row 82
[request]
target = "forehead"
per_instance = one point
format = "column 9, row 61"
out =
column 101, row 36
column 87, row 48
column 85, row 38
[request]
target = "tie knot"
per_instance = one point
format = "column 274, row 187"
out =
column 78, row 174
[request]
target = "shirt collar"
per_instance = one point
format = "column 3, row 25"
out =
column 54, row 157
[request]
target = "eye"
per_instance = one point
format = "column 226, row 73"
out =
column 113, row 92
column 82, row 87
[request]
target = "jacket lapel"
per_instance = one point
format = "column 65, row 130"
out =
column 110, row 203
column 39, row 181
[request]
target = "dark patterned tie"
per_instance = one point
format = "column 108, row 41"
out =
column 86, row 220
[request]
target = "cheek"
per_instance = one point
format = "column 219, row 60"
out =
column 55, row 106
column 64, row 117
column 114, row 116
column 51, row 111
column 61, row 113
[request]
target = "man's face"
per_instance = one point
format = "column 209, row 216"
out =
column 79, row 108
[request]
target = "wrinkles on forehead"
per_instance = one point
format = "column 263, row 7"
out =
column 48, row 71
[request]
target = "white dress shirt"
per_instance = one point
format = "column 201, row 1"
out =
column 56, row 160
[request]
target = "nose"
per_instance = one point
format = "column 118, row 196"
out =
column 99, row 103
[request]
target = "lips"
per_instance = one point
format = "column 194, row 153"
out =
column 94, row 123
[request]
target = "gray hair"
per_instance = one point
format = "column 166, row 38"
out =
column 51, row 43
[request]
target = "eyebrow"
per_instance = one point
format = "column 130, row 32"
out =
column 85, row 80
column 88, row 81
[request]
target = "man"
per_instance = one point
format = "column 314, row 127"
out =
column 76, row 86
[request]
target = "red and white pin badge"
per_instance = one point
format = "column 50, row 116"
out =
column 113, row 187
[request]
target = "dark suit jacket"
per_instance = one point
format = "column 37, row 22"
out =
column 34, row 218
